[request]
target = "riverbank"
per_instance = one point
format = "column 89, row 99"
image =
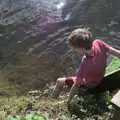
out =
column 39, row 103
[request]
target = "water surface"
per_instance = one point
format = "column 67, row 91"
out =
column 39, row 29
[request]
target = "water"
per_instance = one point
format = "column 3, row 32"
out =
column 40, row 28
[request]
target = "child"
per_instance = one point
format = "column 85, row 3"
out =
column 92, row 68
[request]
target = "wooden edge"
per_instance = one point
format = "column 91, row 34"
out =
column 112, row 72
column 116, row 99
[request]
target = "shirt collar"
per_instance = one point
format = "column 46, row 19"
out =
column 89, row 54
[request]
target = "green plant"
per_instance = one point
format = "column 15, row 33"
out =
column 31, row 116
column 114, row 65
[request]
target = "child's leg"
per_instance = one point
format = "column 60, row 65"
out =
column 61, row 82
column 70, row 81
column 58, row 87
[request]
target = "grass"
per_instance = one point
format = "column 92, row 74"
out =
column 41, row 107
column 113, row 66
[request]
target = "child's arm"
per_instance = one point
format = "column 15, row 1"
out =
column 114, row 51
column 110, row 49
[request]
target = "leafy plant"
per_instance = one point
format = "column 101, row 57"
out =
column 31, row 116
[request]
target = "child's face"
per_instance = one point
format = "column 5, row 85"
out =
column 82, row 51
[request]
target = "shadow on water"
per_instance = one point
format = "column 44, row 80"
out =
column 33, row 35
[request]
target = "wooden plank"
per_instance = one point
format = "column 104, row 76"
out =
column 116, row 115
column 114, row 73
column 116, row 99
column 110, row 83
column 111, row 79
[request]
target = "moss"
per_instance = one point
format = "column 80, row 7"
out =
column 113, row 66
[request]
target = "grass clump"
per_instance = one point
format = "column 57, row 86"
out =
column 3, row 115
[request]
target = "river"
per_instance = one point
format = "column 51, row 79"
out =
column 39, row 28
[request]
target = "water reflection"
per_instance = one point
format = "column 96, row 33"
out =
column 60, row 5
column 41, row 27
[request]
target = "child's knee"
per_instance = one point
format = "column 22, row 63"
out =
column 61, row 81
